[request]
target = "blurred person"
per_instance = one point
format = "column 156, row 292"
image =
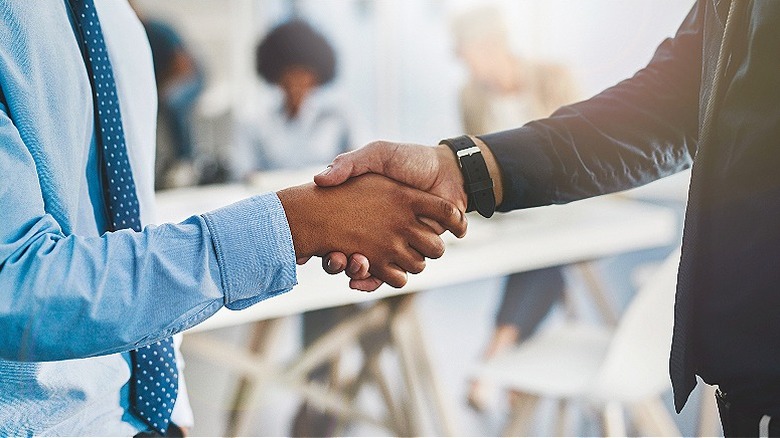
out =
column 505, row 90
column 709, row 98
column 180, row 81
column 302, row 128
column 91, row 292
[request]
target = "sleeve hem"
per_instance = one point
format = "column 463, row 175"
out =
column 254, row 250
column 525, row 167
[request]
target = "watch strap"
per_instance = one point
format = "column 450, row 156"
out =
column 477, row 182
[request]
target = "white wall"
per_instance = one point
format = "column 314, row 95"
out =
column 397, row 66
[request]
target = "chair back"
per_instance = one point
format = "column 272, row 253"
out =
column 637, row 362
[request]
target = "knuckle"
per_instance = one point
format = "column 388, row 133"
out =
column 439, row 253
column 399, row 282
column 339, row 158
column 418, row 267
column 437, row 248
column 374, row 146
column 447, row 210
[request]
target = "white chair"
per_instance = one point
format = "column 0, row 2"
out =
column 612, row 370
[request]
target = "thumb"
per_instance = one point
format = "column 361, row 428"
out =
column 340, row 170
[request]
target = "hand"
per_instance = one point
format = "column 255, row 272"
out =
column 375, row 216
column 433, row 169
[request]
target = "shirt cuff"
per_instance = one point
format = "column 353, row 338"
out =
column 254, row 250
column 526, row 169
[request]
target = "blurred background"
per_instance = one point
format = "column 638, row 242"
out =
column 397, row 66
column 249, row 87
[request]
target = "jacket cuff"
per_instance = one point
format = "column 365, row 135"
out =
column 525, row 167
column 254, row 250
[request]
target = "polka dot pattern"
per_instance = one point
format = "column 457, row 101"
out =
column 154, row 383
column 122, row 202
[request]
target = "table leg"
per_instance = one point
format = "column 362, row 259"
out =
column 391, row 323
column 264, row 333
column 654, row 419
column 435, row 390
column 614, row 420
column 523, row 410
column 597, row 291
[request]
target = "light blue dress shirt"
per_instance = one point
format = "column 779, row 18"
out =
column 73, row 301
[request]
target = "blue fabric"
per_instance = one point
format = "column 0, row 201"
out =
column 74, row 301
column 155, row 380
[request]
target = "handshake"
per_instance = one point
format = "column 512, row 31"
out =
column 378, row 212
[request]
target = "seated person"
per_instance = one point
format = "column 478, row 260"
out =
column 505, row 90
column 300, row 129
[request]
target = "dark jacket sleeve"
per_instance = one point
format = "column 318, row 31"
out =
column 639, row 130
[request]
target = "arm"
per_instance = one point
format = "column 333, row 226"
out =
column 377, row 217
column 642, row 129
column 58, row 290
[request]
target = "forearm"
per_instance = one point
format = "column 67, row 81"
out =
column 639, row 130
column 449, row 164
column 133, row 288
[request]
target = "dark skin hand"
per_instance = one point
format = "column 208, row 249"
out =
column 383, row 220
column 432, row 169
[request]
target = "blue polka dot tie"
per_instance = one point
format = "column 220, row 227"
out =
column 154, row 383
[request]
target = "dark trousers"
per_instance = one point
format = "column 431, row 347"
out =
column 740, row 422
column 528, row 298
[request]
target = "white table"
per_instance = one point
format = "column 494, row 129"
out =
column 508, row 243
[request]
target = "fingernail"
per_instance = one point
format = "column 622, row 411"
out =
column 353, row 267
column 328, row 263
column 326, row 171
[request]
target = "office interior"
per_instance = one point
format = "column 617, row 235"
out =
column 400, row 76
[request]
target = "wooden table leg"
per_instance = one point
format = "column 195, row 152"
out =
column 394, row 325
column 521, row 415
column 597, row 291
column 613, row 419
column 261, row 342
column 433, row 385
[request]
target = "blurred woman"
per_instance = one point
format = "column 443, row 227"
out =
column 505, row 91
column 302, row 127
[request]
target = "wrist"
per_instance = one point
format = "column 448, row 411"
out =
column 493, row 169
column 450, row 169
column 478, row 182
column 299, row 208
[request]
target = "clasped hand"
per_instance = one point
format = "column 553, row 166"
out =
column 392, row 225
column 380, row 229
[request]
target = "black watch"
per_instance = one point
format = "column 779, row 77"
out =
column 478, row 184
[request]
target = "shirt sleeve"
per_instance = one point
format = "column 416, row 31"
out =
column 640, row 130
column 71, row 296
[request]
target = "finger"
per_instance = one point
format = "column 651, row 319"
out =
column 390, row 274
column 358, row 267
column 302, row 260
column 371, row 158
column 427, row 244
column 369, row 284
column 438, row 229
column 340, row 170
column 334, row 262
column 442, row 212
column 411, row 261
